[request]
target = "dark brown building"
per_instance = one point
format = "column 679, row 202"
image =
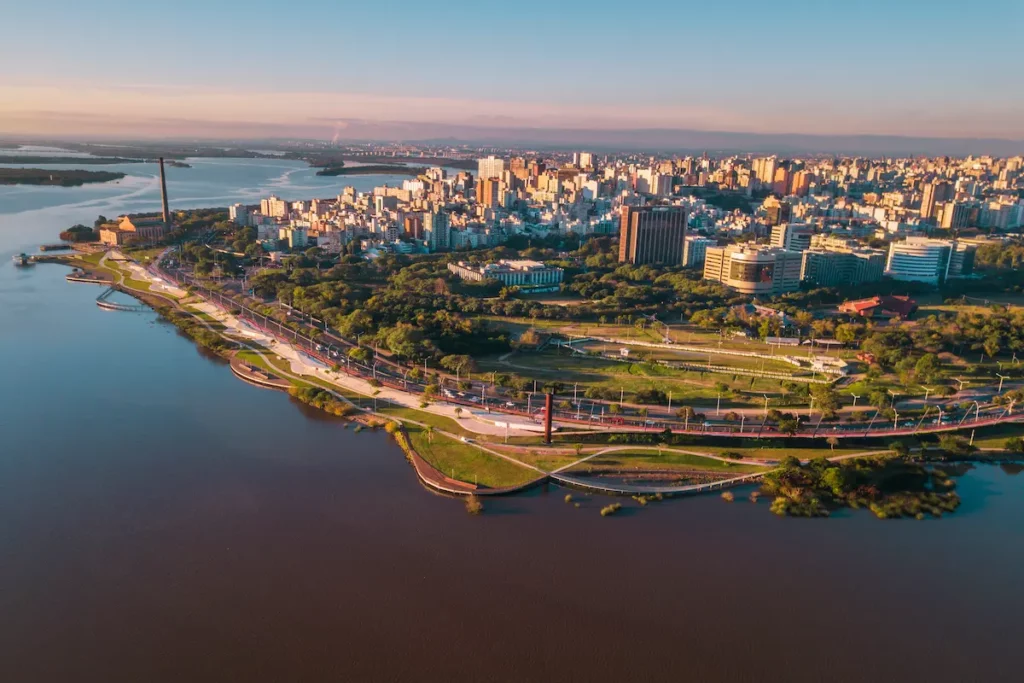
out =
column 652, row 234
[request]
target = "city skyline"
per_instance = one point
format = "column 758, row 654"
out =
column 418, row 72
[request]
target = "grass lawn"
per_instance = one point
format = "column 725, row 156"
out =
column 769, row 453
column 542, row 458
column 436, row 421
column 466, row 462
column 685, row 385
column 650, row 459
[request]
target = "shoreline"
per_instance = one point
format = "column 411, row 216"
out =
column 427, row 473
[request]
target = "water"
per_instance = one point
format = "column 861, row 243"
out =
column 162, row 521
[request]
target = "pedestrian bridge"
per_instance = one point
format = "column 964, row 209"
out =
column 103, row 301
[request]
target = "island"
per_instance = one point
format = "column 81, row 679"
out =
column 29, row 160
column 371, row 169
column 40, row 176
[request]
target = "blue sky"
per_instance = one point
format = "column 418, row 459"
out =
column 901, row 66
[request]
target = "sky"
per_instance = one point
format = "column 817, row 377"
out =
column 334, row 68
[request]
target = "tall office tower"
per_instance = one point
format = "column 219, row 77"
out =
column 792, row 236
column 537, row 168
column 436, row 230
column 652, row 234
column 934, row 193
column 491, row 167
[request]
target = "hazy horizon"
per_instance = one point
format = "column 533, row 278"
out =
column 669, row 74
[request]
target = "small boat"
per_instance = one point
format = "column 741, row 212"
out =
column 22, row 260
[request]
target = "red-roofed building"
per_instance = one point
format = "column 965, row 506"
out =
column 881, row 307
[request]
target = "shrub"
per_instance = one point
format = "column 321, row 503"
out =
column 610, row 509
column 728, row 497
column 473, row 505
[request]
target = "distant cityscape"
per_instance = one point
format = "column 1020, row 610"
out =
column 759, row 225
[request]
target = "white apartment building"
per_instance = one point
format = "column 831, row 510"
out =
column 922, row 259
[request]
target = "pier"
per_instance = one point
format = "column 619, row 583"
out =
column 103, row 302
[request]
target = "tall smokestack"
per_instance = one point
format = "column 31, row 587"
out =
column 548, row 401
column 163, row 193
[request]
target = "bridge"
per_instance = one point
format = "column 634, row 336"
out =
column 103, row 302
column 629, row 489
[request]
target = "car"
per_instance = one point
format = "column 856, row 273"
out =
column 467, row 440
column 510, row 404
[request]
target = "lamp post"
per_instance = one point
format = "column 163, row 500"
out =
column 765, row 405
column 855, row 397
column 1001, row 379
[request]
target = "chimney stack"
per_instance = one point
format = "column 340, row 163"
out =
column 548, row 409
column 163, row 193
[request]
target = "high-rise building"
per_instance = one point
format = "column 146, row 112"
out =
column 488, row 192
column 754, row 270
column 583, row 159
column 660, row 184
column 920, row 259
column 652, row 234
column 695, row 249
column 955, row 215
column 777, row 211
column 274, row 206
column 934, row 193
column 413, row 224
column 780, row 186
column 792, row 236
column 491, row 167
column 436, row 230
column 239, row 214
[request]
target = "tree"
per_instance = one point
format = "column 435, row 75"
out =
column 360, row 354
column 458, row 412
column 825, row 399
column 927, row 367
column 1014, row 444
column 899, row 449
column 430, row 433
column 457, row 363
column 832, row 442
column 789, row 425
column 837, row 479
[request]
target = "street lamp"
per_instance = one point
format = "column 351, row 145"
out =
column 894, row 395
column 1001, row 379
column 855, row 397
column 765, row 405
column 927, row 391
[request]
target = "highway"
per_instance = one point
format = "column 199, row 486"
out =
column 328, row 347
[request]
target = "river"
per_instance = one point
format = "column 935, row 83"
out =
column 162, row 521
